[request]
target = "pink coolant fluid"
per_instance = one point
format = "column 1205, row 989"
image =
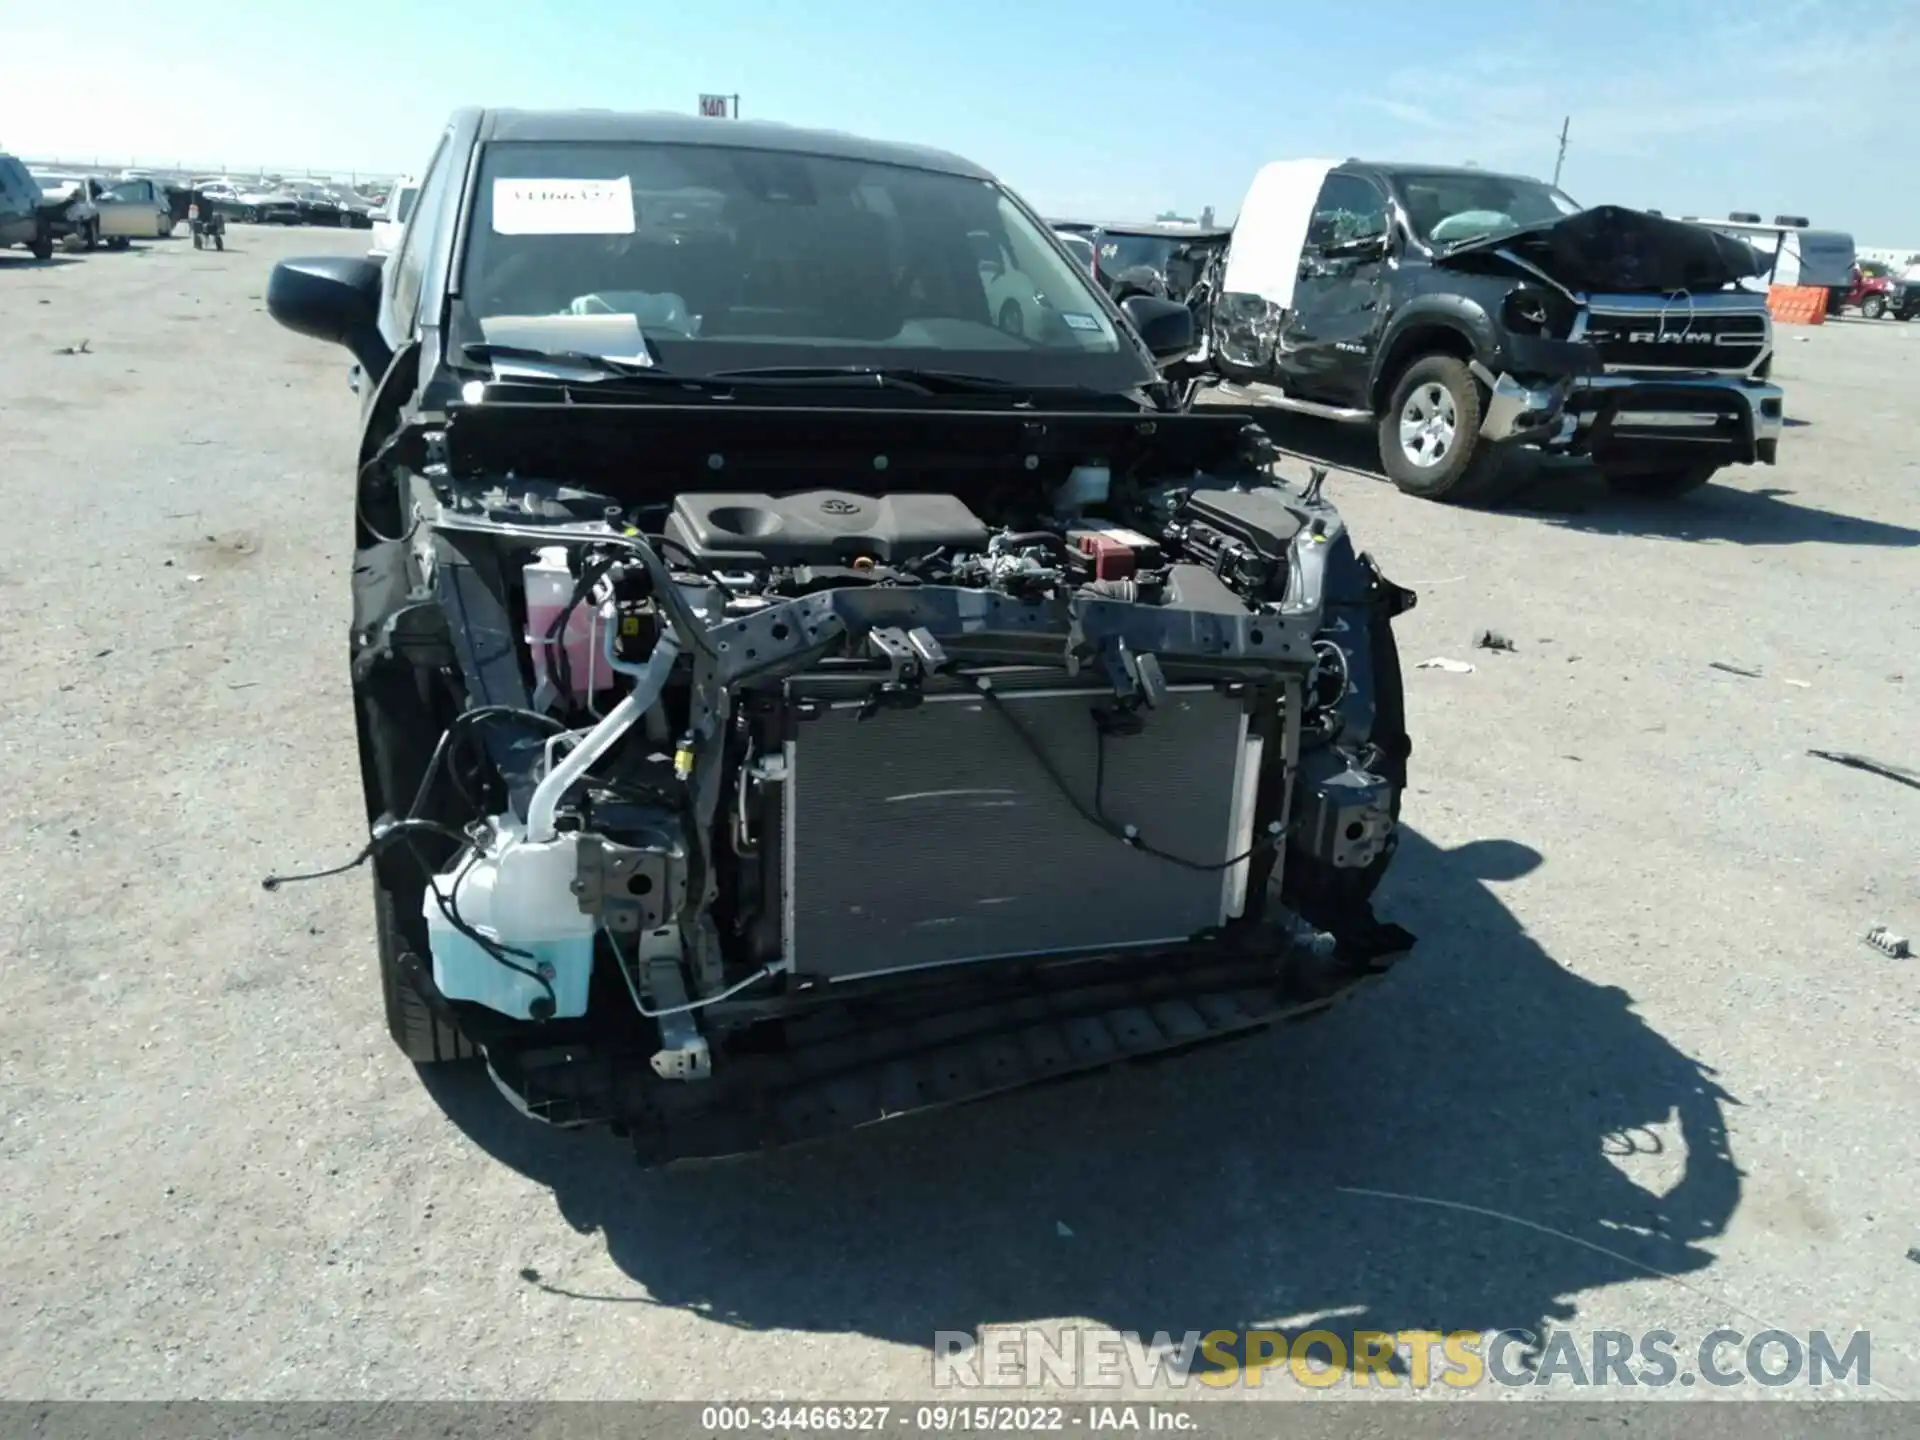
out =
column 549, row 588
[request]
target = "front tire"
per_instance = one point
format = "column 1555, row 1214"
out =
column 394, row 717
column 423, row 1037
column 1658, row 484
column 1873, row 307
column 42, row 246
column 1429, row 432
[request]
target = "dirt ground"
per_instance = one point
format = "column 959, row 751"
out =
column 1641, row 1072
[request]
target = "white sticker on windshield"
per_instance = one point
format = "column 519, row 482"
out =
column 1079, row 321
column 563, row 207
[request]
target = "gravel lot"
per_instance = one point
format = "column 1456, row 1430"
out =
column 1641, row 1013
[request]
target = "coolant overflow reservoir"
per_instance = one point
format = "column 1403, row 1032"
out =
column 549, row 583
column 519, row 896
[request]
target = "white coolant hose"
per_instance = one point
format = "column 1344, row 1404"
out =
column 650, row 679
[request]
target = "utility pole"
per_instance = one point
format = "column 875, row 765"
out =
column 1561, row 157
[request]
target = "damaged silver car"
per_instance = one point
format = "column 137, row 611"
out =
column 787, row 699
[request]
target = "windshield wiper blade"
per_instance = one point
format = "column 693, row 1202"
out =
column 927, row 382
column 609, row 367
column 483, row 350
column 867, row 376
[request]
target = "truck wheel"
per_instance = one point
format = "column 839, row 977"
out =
column 1658, row 484
column 1430, row 432
column 422, row 1036
column 42, row 246
column 1873, row 307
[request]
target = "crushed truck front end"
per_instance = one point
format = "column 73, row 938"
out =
column 1686, row 378
column 1683, row 345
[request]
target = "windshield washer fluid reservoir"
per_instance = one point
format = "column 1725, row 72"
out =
column 518, row 895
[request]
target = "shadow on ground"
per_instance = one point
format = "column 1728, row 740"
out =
column 21, row 260
column 1570, row 493
column 1578, row 499
column 1214, row 1190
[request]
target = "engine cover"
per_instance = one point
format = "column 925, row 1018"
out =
column 820, row 527
column 932, row 835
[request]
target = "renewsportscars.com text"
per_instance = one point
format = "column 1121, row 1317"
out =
column 1415, row 1359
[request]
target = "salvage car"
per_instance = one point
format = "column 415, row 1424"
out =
column 1080, row 247
column 1903, row 301
column 315, row 205
column 390, row 220
column 26, row 217
column 1871, row 290
column 1017, row 301
column 786, row 698
column 132, row 210
column 1463, row 313
column 251, row 204
column 71, row 213
column 356, row 210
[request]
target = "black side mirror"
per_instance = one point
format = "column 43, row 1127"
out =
column 334, row 298
column 1165, row 326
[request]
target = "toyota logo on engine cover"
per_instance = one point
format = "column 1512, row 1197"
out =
column 836, row 506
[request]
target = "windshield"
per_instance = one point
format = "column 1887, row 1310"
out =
column 725, row 257
column 1123, row 252
column 1448, row 207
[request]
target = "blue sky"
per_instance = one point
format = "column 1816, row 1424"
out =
column 1122, row 107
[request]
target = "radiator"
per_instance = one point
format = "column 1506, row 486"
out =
column 933, row 836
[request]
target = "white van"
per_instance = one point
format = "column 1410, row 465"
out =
column 1790, row 253
column 390, row 220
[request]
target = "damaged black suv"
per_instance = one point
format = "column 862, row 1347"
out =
column 786, row 698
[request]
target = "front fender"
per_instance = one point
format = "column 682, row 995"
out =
column 1450, row 323
column 1468, row 325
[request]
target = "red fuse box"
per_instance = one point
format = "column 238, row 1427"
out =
column 1116, row 551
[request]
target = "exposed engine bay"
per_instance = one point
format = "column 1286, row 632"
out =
column 720, row 769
